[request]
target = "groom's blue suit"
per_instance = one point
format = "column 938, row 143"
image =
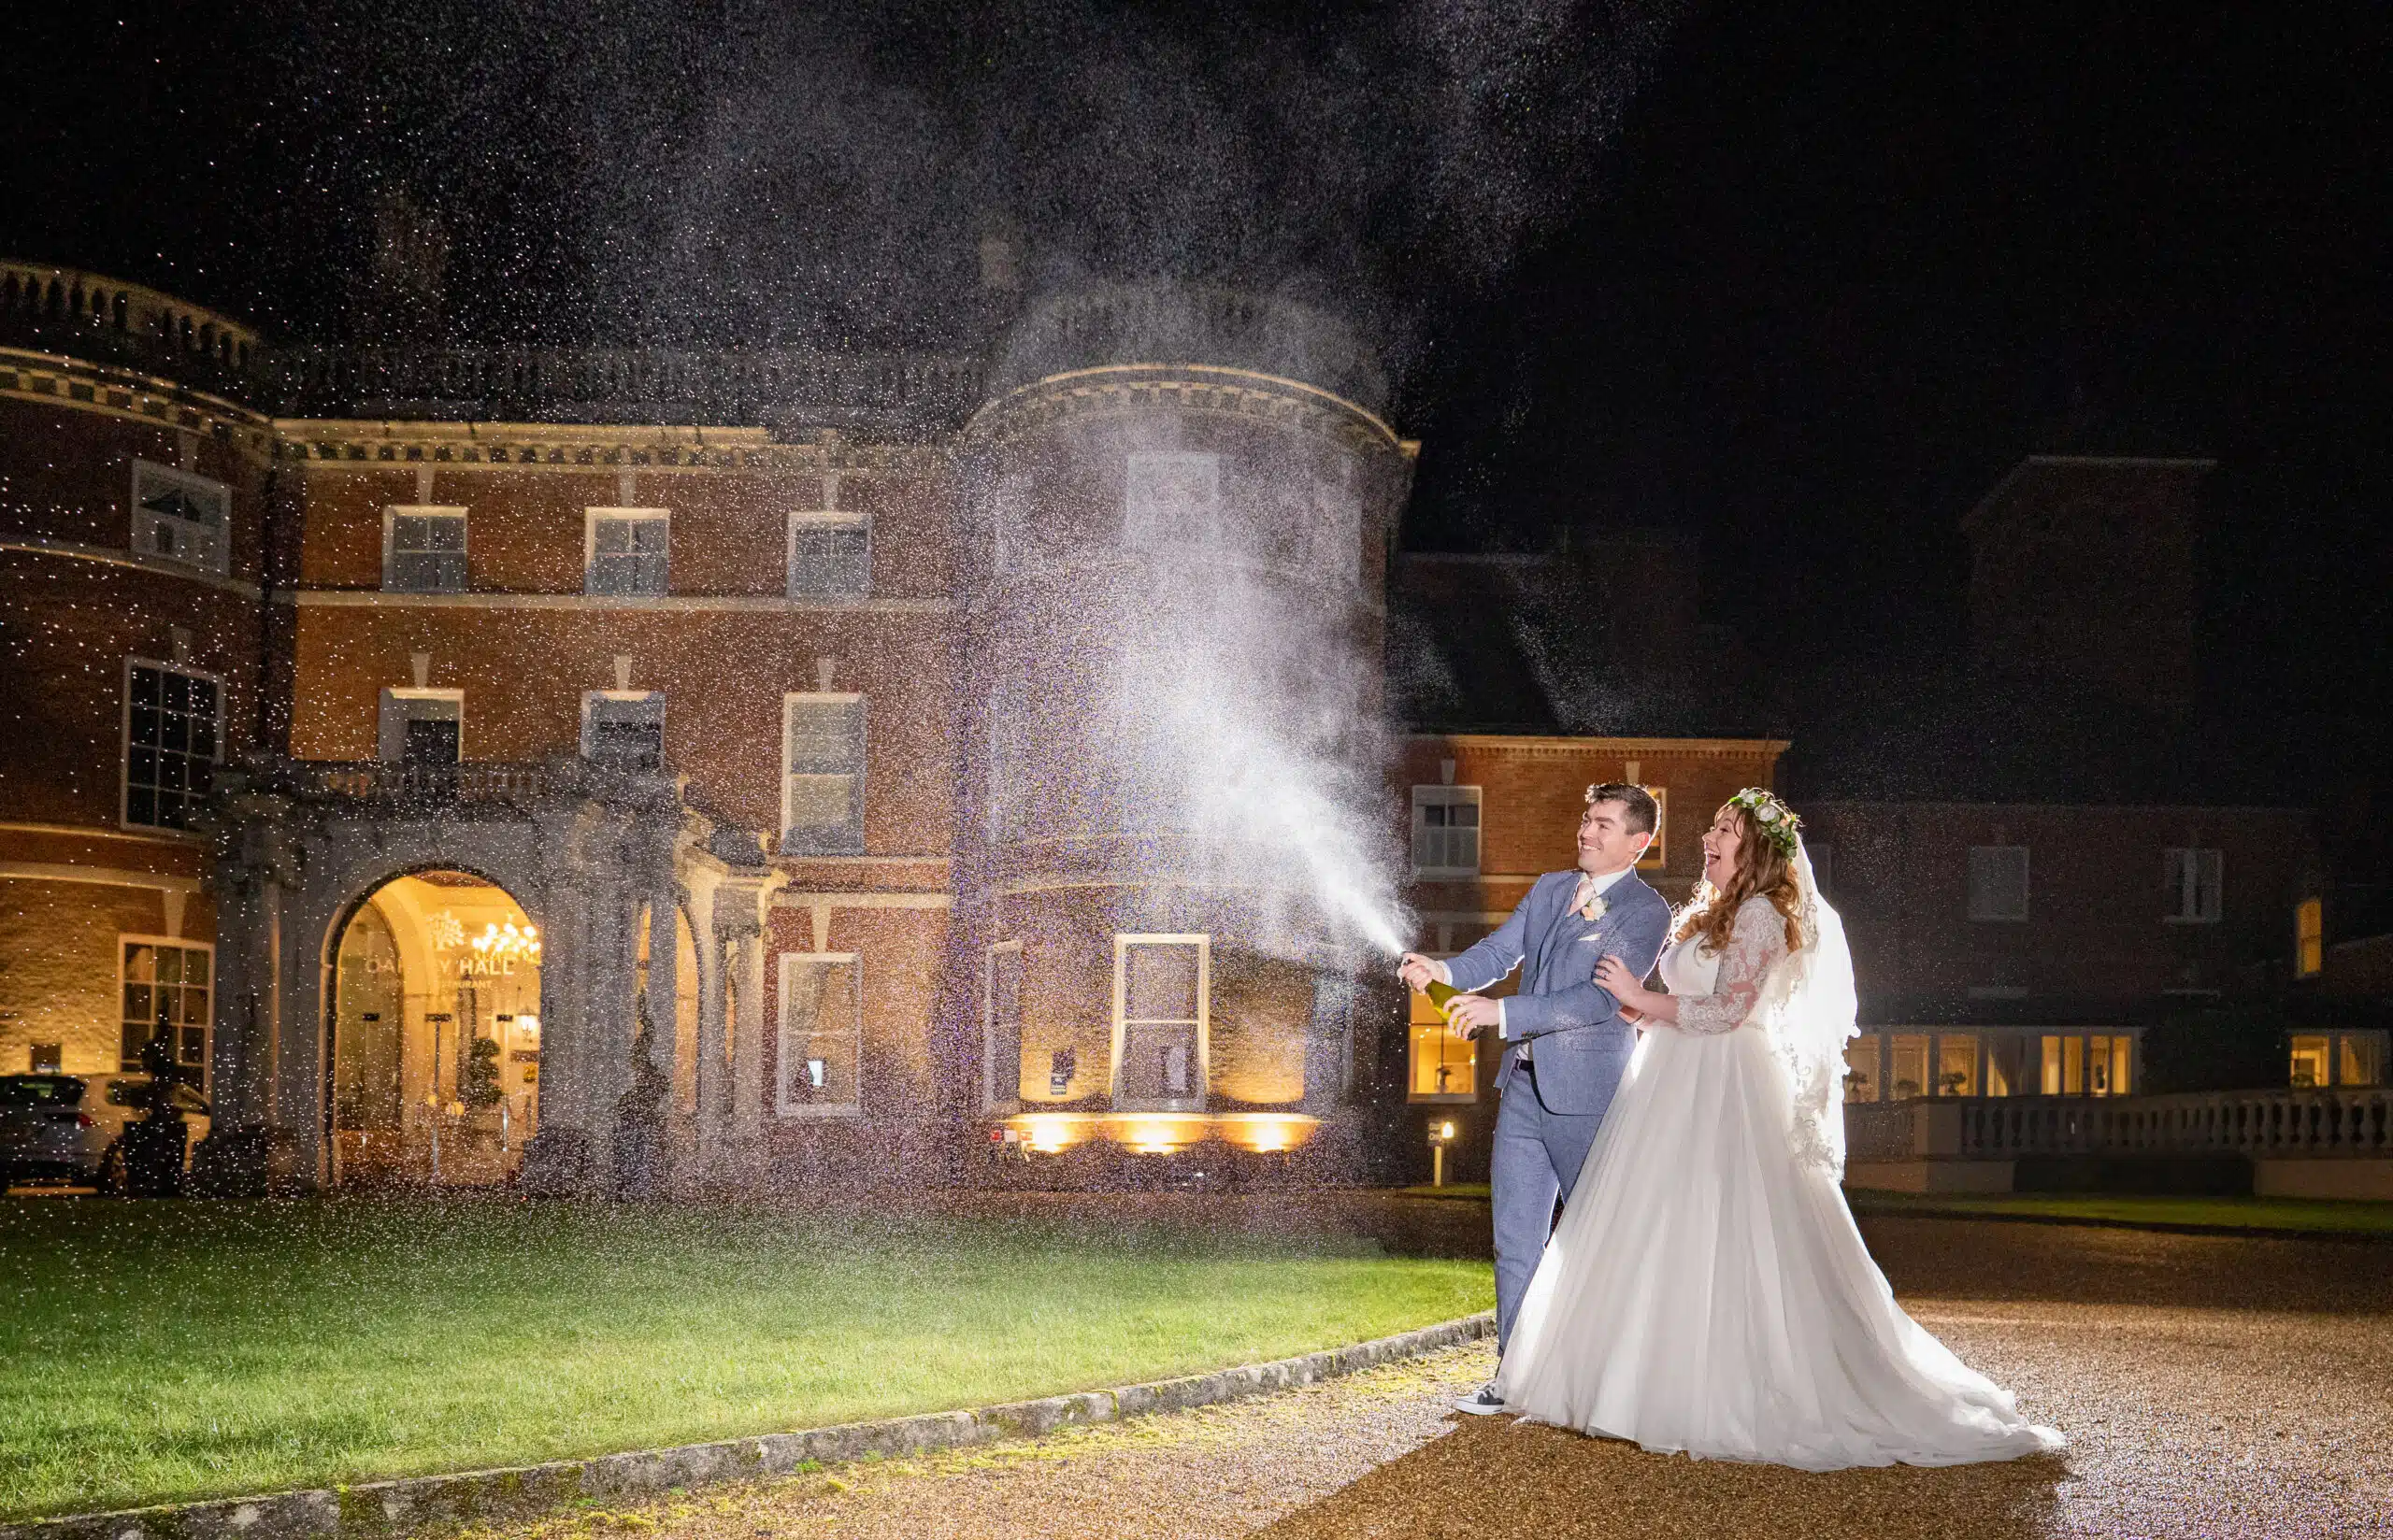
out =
column 1565, row 1046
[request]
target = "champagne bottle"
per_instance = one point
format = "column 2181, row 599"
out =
column 1442, row 995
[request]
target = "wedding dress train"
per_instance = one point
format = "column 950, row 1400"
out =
column 1706, row 1291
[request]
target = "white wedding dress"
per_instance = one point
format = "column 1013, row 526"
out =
column 1706, row 1291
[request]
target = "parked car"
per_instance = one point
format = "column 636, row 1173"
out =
column 71, row 1127
column 46, row 1131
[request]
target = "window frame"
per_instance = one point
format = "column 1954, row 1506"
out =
column 390, row 745
column 1414, row 1002
column 783, row 1105
column 592, row 699
column 991, row 1081
column 207, row 1032
column 1444, row 794
column 1657, row 854
column 393, row 512
column 591, row 518
column 801, row 519
column 2309, row 938
column 2026, row 888
column 1201, row 1078
column 2181, row 866
column 141, row 538
column 124, row 740
column 852, row 842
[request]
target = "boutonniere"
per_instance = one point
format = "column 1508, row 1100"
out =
column 1595, row 909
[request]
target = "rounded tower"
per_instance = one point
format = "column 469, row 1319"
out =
column 1179, row 504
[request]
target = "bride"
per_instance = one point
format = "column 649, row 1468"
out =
column 1706, row 1291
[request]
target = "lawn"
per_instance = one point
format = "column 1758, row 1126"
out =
column 158, row 1351
column 2289, row 1214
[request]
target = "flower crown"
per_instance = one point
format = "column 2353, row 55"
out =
column 1777, row 822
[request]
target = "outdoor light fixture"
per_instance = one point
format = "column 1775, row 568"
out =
column 1441, row 1134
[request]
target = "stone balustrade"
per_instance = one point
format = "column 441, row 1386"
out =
column 789, row 388
column 391, row 780
column 2260, row 1124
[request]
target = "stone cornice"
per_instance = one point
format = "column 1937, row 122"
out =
column 750, row 604
column 1202, row 388
column 51, row 379
column 360, row 444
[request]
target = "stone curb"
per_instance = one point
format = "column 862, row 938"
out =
column 376, row 1509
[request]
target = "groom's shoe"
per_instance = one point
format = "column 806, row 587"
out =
column 1483, row 1402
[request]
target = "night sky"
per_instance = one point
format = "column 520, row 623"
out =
column 1803, row 281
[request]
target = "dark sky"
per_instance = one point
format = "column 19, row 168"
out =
column 1802, row 278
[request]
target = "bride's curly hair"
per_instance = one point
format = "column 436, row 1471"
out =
column 1761, row 868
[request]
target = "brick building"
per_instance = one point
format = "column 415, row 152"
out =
column 560, row 768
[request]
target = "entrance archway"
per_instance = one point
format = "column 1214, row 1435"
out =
column 436, row 1033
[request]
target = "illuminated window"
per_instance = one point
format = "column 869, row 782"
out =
column 179, row 517
column 2099, row 1064
column 173, row 740
column 2192, row 887
column 1172, row 498
column 821, row 1036
column 624, row 727
column 1444, row 1065
column 1861, row 1068
column 166, row 994
column 1161, row 984
column 1957, row 1065
column 823, row 749
column 627, row 552
column 1657, row 855
column 830, row 555
column 2309, row 938
column 424, row 550
column 2313, row 1064
column 1445, row 831
column 421, row 726
column 1909, row 1066
column 2360, row 1058
column 1998, row 882
column 1001, row 1027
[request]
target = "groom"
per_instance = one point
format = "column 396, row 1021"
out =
column 1565, row 1042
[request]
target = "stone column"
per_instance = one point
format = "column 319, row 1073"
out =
column 560, row 1158
column 748, row 1037
column 740, row 904
column 249, row 1148
column 714, row 1049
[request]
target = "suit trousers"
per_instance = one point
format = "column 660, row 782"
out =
column 1537, row 1158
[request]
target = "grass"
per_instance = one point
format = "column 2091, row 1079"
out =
column 2288, row 1214
column 167, row 1351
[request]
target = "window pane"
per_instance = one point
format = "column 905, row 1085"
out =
column 821, row 802
column 1910, row 1065
column 1861, row 1068
column 1957, row 1072
column 2310, row 1063
column 1160, row 982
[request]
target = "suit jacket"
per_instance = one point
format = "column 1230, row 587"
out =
column 1581, row 1043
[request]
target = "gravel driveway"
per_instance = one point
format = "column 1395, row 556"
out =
column 2212, row 1386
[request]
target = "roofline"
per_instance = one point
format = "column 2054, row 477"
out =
column 2279, row 810
column 2121, row 461
column 1627, row 745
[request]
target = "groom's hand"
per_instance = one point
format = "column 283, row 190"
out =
column 1418, row 971
column 1472, row 1014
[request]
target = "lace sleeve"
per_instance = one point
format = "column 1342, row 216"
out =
column 1755, row 946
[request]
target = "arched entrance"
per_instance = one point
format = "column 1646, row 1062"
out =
column 436, row 1033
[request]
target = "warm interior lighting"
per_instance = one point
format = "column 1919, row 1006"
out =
column 1163, row 1133
column 502, row 941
